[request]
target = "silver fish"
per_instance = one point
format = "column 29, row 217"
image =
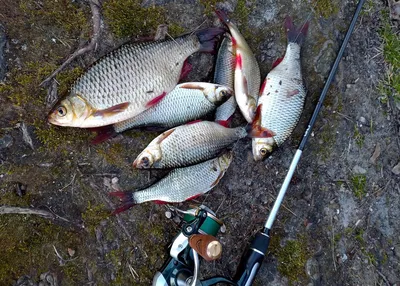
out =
column 247, row 72
column 282, row 95
column 186, row 102
column 181, row 184
column 224, row 75
column 129, row 80
column 187, row 145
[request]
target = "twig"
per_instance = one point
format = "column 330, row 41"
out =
column 95, row 8
column 18, row 210
column 383, row 277
column 133, row 272
column 70, row 183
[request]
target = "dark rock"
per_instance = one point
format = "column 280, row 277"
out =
column 6, row 141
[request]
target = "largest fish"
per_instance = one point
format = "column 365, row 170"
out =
column 129, row 80
column 282, row 95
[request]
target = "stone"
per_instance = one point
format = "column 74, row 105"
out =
column 359, row 170
column 396, row 169
column 6, row 141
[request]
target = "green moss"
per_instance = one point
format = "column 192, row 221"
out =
column 113, row 154
column 93, row 215
column 27, row 247
column 326, row 8
column 390, row 85
column 358, row 183
column 128, row 17
column 358, row 137
column 209, row 6
column 175, row 30
column 291, row 258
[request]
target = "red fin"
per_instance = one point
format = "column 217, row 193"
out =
column 158, row 202
column 292, row 93
column 277, row 62
column 112, row 110
column 165, row 135
column 239, row 64
column 194, row 122
column 257, row 131
column 193, row 197
column 294, row 34
column 234, row 42
column 264, row 84
column 224, row 123
column 126, row 199
column 103, row 133
column 186, row 69
column 156, row 100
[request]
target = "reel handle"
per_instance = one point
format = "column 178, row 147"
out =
column 207, row 246
column 252, row 260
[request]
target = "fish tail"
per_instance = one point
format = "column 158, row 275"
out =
column 208, row 39
column 103, row 133
column 127, row 201
column 295, row 34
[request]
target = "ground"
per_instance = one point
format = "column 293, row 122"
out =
column 340, row 220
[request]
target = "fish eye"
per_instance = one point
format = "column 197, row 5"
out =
column 61, row 111
column 224, row 93
column 263, row 151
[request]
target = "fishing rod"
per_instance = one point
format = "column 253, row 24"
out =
column 254, row 256
column 197, row 237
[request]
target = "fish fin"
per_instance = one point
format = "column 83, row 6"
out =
column 103, row 133
column 158, row 202
column 127, row 201
column 294, row 34
column 193, row 197
column 264, row 84
column 194, row 121
column 112, row 110
column 186, row 69
column 156, row 100
column 165, row 135
column 257, row 131
column 208, row 39
column 153, row 128
column 223, row 17
column 224, row 123
column 239, row 63
column 191, row 85
column 277, row 62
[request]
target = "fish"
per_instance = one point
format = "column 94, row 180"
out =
column 181, row 184
column 224, row 75
column 129, row 80
column 189, row 144
column 247, row 78
column 282, row 95
column 186, row 102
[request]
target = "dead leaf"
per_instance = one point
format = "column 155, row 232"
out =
column 376, row 154
column 71, row 252
column 396, row 169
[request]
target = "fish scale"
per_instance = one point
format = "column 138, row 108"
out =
column 184, row 183
column 201, row 140
column 280, row 109
column 188, row 144
column 179, row 106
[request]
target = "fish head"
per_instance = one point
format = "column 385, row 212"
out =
column 217, row 93
column 70, row 111
column 148, row 158
column 262, row 147
column 225, row 160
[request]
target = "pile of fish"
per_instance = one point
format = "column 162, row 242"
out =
column 137, row 85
